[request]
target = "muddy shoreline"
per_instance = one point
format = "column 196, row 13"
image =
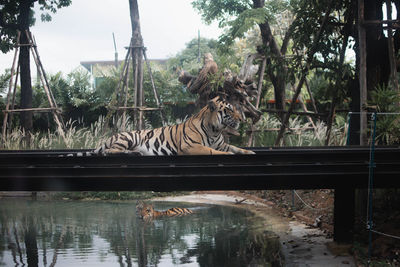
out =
column 301, row 244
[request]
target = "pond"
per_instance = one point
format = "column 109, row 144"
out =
column 71, row 233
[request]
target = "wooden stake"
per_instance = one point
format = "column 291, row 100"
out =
column 45, row 84
column 157, row 97
column 10, row 88
column 362, row 46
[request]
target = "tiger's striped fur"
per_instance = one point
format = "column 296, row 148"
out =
column 201, row 134
column 147, row 212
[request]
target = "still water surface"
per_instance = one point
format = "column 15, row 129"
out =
column 41, row 233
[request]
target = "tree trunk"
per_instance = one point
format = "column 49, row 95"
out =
column 137, row 59
column 25, row 70
column 378, row 66
column 278, row 77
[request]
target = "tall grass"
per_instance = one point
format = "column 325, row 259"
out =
column 78, row 136
column 300, row 133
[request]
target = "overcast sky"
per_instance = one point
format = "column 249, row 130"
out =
column 83, row 31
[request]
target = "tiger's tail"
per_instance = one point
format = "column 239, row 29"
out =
column 99, row 150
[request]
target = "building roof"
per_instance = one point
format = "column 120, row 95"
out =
column 87, row 64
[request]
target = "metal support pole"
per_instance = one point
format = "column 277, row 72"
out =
column 371, row 186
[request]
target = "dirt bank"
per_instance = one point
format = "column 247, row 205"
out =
column 301, row 244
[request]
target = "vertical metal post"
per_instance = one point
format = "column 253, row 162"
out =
column 371, row 186
column 115, row 53
column 198, row 47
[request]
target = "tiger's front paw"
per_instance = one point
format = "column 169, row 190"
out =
column 249, row 152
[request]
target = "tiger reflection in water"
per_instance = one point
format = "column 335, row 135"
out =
column 148, row 213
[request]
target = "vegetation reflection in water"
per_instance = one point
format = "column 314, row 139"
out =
column 36, row 233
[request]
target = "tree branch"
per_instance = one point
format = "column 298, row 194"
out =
column 286, row 39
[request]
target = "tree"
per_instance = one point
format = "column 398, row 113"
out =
column 246, row 14
column 378, row 67
column 18, row 15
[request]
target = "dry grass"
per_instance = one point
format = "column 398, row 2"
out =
column 79, row 137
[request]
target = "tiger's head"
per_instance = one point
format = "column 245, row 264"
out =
column 144, row 211
column 224, row 116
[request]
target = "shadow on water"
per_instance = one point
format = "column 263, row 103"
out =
column 35, row 233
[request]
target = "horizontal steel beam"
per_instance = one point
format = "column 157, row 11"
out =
column 269, row 168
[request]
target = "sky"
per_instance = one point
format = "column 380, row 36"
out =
column 83, row 32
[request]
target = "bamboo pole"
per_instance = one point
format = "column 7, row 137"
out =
column 135, row 88
column 40, row 65
column 156, row 96
column 134, row 56
column 140, row 86
column 116, row 98
column 13, row 97
column 10, row 87
column 33, row 109
column 125, row 90
column 45, row 84
column 12, row 90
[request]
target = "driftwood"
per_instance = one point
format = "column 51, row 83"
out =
column 200, row 84
column 236, row 91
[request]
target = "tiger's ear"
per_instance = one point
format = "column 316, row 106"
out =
column 139, row 204
column 211, row 105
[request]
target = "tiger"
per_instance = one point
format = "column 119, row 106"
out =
column 201, row 134
column 147, row 212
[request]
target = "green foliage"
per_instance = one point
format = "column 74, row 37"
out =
column 238, row 17
column 80, row 92
column 11, row 20
column 223, row 10
column 244, row 22
column 188, row 58
column 4, row 81
column 300, row 22
column 51, row 6
column 322, row 84
column 386, row 100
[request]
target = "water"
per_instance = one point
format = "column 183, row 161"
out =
column 38, row 233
